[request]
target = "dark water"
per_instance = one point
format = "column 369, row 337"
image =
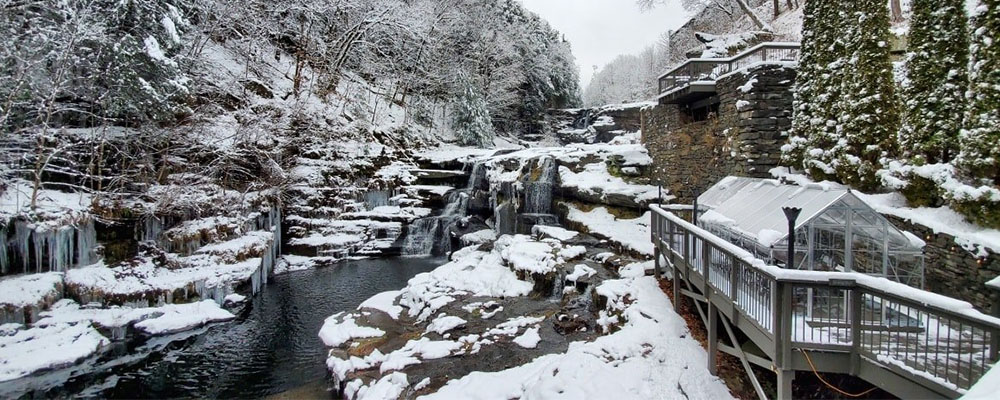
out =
column 272, row 347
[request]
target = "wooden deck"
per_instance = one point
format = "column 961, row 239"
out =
column 695, row 78
column 907, row 341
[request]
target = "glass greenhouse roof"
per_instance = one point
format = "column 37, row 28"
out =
column 753, row 208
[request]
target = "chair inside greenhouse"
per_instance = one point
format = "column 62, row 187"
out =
column 835, row 230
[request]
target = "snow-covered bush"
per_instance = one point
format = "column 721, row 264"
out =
column 471, row 118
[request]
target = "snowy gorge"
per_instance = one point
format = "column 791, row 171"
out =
column 416, row 199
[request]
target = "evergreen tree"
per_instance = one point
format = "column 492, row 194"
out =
column 937, row 79
column 471, row 117
column 980, row 140
column 805, row 89
column 869, row 114
column 817, row 98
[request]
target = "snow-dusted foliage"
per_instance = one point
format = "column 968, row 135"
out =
column 980, row 140
column 76, row 63
column 936, row 81
column 471, row 118
column 625, row 79
column 869, row 117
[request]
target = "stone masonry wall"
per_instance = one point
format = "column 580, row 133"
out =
column 951, row 270
column 743, row 138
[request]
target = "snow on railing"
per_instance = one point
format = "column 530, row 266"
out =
column 943, row 340
column 711, row 69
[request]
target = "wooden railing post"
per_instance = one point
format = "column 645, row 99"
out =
column 995, row 334
column 656, row 220
column 856, row 326
column 781, row 312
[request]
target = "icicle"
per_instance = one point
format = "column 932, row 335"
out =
column 151, row 230
column 86, row 242
column 4, row 259
column 22, row 237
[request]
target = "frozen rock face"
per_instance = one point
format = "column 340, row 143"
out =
column 56, row 245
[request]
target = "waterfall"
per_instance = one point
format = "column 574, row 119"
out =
column 583, row 121
column 427, row 236
column 538, row 192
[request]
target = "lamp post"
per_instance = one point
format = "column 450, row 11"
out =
column 792, row 214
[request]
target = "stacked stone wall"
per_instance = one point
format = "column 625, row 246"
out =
column 744, row 137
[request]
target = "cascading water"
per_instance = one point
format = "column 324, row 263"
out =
column 429, row 235
column 583, row 121
column 538, row 191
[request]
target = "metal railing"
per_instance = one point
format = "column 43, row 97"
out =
column 710, row 69
column 934, row 339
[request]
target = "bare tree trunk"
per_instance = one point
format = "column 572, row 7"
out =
column 753, row 16
column 897, row 11
column 777, row 8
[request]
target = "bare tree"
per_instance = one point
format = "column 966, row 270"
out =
column 725, row 6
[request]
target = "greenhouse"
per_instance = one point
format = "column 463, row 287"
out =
column 834, row 231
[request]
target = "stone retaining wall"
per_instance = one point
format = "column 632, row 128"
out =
column 952, row 270
column 743, row 138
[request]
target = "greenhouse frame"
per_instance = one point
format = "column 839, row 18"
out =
column 835, row 231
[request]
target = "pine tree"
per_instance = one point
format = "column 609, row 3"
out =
column 471, row 116
column 980, row 140
column 937, row 79
column 815, row 126
column 869, row 113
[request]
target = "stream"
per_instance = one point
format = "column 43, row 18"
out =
column 271, row 348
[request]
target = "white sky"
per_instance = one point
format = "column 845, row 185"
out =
column 600, row 30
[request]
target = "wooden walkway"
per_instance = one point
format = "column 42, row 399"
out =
column 909, row 342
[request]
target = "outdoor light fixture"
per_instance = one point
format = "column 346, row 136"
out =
column 792, row 214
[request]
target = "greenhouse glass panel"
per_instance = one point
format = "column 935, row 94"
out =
column 835, row 231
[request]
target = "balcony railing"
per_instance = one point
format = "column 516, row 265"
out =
column 711, row 69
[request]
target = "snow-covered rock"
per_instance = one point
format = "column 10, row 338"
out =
column 181, row 317
column 59, row 345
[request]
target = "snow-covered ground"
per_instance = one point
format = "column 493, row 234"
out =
column 652, row 355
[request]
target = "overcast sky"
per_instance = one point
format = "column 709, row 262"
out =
column 600, row 30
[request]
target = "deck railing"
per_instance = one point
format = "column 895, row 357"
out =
column 936, row 339
column 710, row 69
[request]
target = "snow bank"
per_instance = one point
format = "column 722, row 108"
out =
column 472, row 273
column 524, row 254
column 384, row 302
column 529, row 339
column 579, row 272
column 631, row 234
column 595, row 180
column 652, row 356
column 181, row 317
column 339, row 328
column 31, row 289
column 554, row 232
column 40, row 348
column 444, row 324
